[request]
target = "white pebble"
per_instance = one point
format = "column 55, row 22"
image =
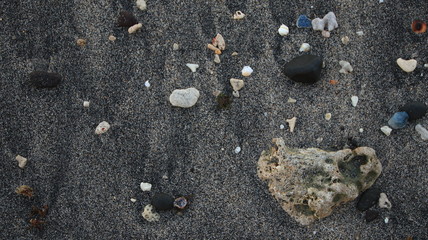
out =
column 380, row 1
column 426, row 65
column 22, row 161
column 192, row 66
column 354, row 100
column 281, row 126
column 345, row 40
column 422, row 131
column 329, row 19
column 247, row 71
column 145, row 186
column 86, row 104
column 407, row 65
column 386, row 220
column 175, row 46
column 133, row 200
column 360, row 33
column 386, row 130
column 237, row 84
column 291, row 100
column 102, row 127
column 238, row 149
column 327, row 116
column 142, row 5
column 283, row 30
column 384, row 202
column 134, row 28
column 149, row 214
column 305, row 47
column 238, row 15
column 325, row 33
column 217, row 58
column 235, row 93
column 184, row 98
column 147, row 84
column 361, row 130
column 346, row 67
column 291, row 123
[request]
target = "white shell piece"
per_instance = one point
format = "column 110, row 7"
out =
column 346, row 67
column 142, row 5
column 386, row 130
column 147, row 84
column 283, row 30
column 192, row 66
column 422, row 131
column 145, row 186
column 238, row 15
column 291, row 123
column 354, row 100
column 305, row 47
column 149, row 214
column 247, row 71
column 327, row 116
column 384, row 202
column 102, row 127
column 237, row 150
column 22, row 161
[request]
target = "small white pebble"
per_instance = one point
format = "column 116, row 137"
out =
column 320, row 139
column 175, row 46
column 102, row 127
column 360, row 33
column 192, row 66
column 265, row 113
column 238, row 15
column 386, row 220
column 147, row 84
column 281, row 126
column 345, row 40
column 142, row 5
column 238, row 149
column 426, row 65
column 112, row 38
column 361, row 130
column 86, row 104
column 354, row 100
column 134, row 28
column 165, row 177
column 247, row 71
column 386, row 130
column 235, row 54
column 217, row 58
column 291, row 100
column 283, row 30
column 380, row 1
column 133, row 200
column 305, row 47
column 327, row 116
column 145, row 186
column 422, row 131
column 22, row 161
column 291, row 123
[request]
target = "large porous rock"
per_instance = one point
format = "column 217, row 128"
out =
column 309, row 183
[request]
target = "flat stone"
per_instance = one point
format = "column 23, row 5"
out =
column 422, row 131
column 303, row 22
column 304, row 69
column 237, row 84
column 398, row 120
column 384, row 201
column 22, row 161
column 415, row 109
column 184, row 98
column 368, row 199
column 310, row 183
column 42, row 79
column 126, row 19
column 162, row 201
column 407, row 65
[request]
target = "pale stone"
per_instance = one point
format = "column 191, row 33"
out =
column 354, row 101
column 192, row 66
column 145, row 187
column 327, row 116
column 384, row 202
column 147, row 84
column 283, row 30
column 238, row 15
column 346, row 67
column 325, row 33
column 219, row 42
column 22, row 161
column 142, row 5
column 386, row 130
column 237, row 84
column 175, row 46
column 407, row 65
column 291, row 123
column 291, row 100
column 133, row 200
column 102, row 127
column 305, row 47
column 345, row 40
column 134, row 28
column 329, row 19
column 360, row 33
column 112, row 38
column 310, row 183
column 86, row 104
column 235, row 94
column 217, row 58
column 149, row 214
column 247, row 71
column 422, row 131
column 184, row 98
column 237, row 150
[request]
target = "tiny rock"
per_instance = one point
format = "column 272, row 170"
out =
column 133, row 200
column 81, row 42
column 361, row 130
column 134, row 28
column 329, row 19
column 214, row 48
column 235, row 94
column 145, row 187
column 235, row 54
column 247, row 71
column 422, row 131
column 22, row 161
column 327, row 116
column 217, row 58
column 346, row 67
column 102, row 127
column 291, row 123
column 325, row 33
column 407, row 65
column 291, row 100
column 112, row 38
column 283, row 30
column 219, row 42
column 426, row 65
column 141, row 4
column 147, row 84
column 237, row 84
column 304, row 69
column 398, row 120
column 192, row 66
column 184, row 98
column 126, row 19
column 354, row 101
column 86, row 104
column 149, row 214
column 237, row 150
column 303, row 22
column 384, row 202
column 386, row 130
column 175, row 46
column 360, row 33
column 238, row 15
column 368, row 199
column 345, row 40
column 305, row 47
column 281, row 126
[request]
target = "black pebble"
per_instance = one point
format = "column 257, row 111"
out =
column 126, row 19
column 162, row 201
column 415, row 110
column 41, row 79
column 368, row 199
column 305, row 69
column 371, row 215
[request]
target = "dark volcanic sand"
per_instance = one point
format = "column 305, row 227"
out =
column 87, row 180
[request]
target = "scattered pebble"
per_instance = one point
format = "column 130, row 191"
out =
column 407, row 65
column 281, row 126
column 354, row 100
column 162, row 201
column 360, row 33
column 346, row 67
column 304, row 69
column 218, row 41
column 22, row 161
column 237, row 150
column 371, row 215
column 86, row 104
column 192, row 66
column 214, row 48
column 380, row 1
column 368, row 198
column 345, row 40
column 102, row 127
column 329, row 19
column 305, row 47
column 419, row 26
column 386, row 220
column 25, row 190
column 238, row 15
column 327, row 116
column 217, row 58
column 361, row 130
column 325, row 33
column 175, row 46
column 145, row 187
column 142, row 5
column 415, row 109
column 41, row 79
column 303, row 22
column 235, row 94
column 112, row 38
column 180, row 202
column 319, row 140
column 149, row 214
column 398, row 120
column 386, row 130
column 134, row 28
column 426, row 65
column 291, row 100
column 422, row 131
column 126, row 19
column 147, row 84
column 283, row 30
column 184, row 98
column 235, row 54
column 384, row 202
column 291, row 123
column 133, row 200
column 237, row 84
column 81, row 42
column 247, row 71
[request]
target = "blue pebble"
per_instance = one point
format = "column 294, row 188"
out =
column 304, row 22
column 398, row 120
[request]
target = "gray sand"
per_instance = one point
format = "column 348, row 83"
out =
column 87, row 180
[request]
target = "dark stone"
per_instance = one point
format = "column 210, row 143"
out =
column 371, row 215
column 368, row 199
column 224, row 101
column 415, row 109
column 126, row 19
column 162, row 201
column 305, row 69
column 41, row 79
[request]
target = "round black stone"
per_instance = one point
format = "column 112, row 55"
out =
column 126, row 19
column 368, row 199
column 305, row 68
column 371, row 215
column 41, row 79
column 415, row 109
column 162, row 201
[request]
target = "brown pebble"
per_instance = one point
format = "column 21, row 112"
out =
column 112, row 38
column 81, row 42
column 333, row 82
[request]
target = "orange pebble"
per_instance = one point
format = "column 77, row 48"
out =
column 333, row 82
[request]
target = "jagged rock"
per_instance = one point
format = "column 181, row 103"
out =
column 309, row 183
